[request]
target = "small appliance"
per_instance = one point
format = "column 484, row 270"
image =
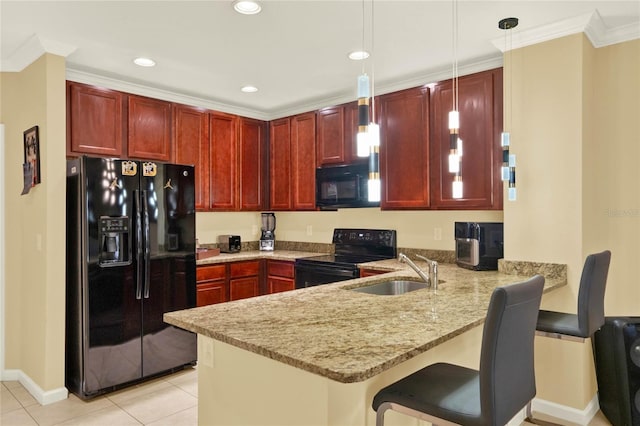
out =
column 479, row 245
column 343, row 187
column 229, row 243
column 268, row 237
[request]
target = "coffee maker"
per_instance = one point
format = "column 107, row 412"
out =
column 268, row 237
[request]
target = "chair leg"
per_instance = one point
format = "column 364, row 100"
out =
column 380, row 413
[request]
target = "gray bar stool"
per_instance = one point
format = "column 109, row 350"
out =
column 447, row 394
column 590, row 316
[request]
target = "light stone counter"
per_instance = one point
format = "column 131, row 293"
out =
column 290, row 255
column 348, row 336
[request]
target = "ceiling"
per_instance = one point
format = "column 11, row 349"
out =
column 295, row 52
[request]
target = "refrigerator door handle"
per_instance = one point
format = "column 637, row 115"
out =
column 139, row 252
column 147, row 245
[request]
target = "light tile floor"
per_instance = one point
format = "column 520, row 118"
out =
column 167, row 401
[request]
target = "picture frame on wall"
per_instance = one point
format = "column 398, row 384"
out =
column 32, row 154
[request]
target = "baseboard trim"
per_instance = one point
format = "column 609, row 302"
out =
column 569, row 414
column 42, row 396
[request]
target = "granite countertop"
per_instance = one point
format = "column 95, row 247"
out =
column 350, row 336
column 290, row 255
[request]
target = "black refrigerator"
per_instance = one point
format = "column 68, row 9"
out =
column 130, row 258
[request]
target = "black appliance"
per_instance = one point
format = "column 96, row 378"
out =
column 616, row 348
column 352, row 246
column 268, row 236
column 343, row 186
column 130, row 258
column 479, row 245
column 229, row 243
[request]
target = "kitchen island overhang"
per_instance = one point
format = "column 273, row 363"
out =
column 334, row 341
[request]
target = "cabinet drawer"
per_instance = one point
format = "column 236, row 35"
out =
column 211, row 272
column 244, row 269
column 280, row 268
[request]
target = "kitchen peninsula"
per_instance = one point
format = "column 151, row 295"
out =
column 317, row 356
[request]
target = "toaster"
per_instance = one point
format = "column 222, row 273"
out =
column 229, row 243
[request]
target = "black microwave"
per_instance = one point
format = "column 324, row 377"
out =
column 343, row 187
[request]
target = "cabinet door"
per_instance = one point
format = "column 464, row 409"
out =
column 480, row 103
column 191, row 146
column 242, row 288
column 280, row 284
column 280, row 164
column 252, row 164
column 244, row 269
column 351, row 134
column 404, row 149
column 303, row 153
column 330, row 137
column 94, row 120
column 211, row 284
column 149, row 127
column 223, row 130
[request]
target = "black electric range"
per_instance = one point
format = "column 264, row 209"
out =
column 352, row 247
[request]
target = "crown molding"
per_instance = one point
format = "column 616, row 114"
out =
column 589, row 23
column 31, row 50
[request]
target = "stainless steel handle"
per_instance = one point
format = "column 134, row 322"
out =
column 139, row 251
column 147, row 245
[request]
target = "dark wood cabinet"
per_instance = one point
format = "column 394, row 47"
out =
column 404, row 149
column 480, row 104
column 211, row 284
column 191, row 146
column 149, row 129
column 251, row 162
column 364, row 272
column 303, row 153
column 95, row 118
column 336, row 135
column 280, row 276
column 280, row 164
column 330, row 136
column 244, row 279
column 223, row 140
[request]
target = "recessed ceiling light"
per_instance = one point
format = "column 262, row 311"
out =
column 247, row 7
column 249, row 89
column 144, row 62
column 359, row 55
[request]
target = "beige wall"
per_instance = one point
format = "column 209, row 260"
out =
column 416, row 229
column 34, row 293
column 575, row 132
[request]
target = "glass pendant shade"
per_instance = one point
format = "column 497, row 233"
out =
column 373, row 186
column 457, row 187
column 374, row 134
column 512, row 194
column 454, row 120
column 454, row 163
column 362, row 142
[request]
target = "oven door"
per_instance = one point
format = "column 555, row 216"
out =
column 309, row 275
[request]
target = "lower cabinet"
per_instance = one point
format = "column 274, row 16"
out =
column 244, row 279
column 364, row 272
column 224, row 282
column 211, row 284
column 280, row 276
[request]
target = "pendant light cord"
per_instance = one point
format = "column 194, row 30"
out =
column 454, row 15
column 373, row 79
column 363, row 51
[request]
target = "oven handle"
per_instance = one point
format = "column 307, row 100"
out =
column 320, row 269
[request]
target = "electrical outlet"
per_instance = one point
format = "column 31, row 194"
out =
column 309, row 230
column 205, row 351
column 437, row 234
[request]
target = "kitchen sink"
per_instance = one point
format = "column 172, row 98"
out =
column 392, row 288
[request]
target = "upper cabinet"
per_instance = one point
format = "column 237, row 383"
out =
column 251, row 163
column 336, row 130
column 191, row 146
column 149, row 128
column 95, row 118
column 223, row 130
column 480, row 105
column 292, row 152
column 404, row 149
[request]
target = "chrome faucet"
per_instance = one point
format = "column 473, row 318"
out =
column 433, row 271
column 403, row 258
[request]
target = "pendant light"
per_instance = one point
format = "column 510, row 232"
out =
column 373, row 185
column 455, row 143
column 508, row 170
column 362, row 138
